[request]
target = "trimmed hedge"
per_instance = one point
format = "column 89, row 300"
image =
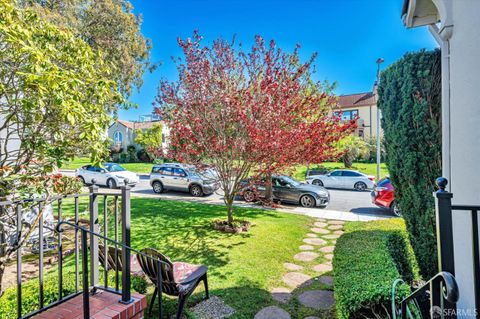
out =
column 410, row 100
column 368, row 258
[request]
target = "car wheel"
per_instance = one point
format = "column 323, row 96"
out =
column 360, row 186
column 157, row 187
column 196, row 191
column 307, row 201
column 317, row 182
column 249, row 196
column 111, row 183
column 395, row 209
column 81, row 179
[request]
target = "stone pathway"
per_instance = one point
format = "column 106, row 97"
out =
column 313, row 259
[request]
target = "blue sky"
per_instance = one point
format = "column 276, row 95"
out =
column 348, row 35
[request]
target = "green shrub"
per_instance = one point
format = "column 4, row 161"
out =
column 368, row 258
column 410, row 100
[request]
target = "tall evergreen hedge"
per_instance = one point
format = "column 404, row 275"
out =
column 410, row 101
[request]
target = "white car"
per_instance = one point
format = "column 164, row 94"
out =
column 343, row 179
column 108, row 174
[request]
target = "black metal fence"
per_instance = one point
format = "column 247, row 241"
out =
column 118, row 199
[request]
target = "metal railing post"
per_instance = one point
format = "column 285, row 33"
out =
column 94, row 227
column 85, row 288
column 126, row 294
column 443, row 213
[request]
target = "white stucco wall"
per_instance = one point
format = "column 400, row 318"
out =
column 464, row 46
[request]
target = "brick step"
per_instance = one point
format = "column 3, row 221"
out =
column 103, row 305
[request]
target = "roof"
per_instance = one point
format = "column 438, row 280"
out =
column 138, row 125
column 359, row 99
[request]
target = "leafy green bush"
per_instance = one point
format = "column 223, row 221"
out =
column 410, row 100
column 367, row 260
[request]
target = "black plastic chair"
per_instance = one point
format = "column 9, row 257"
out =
column 179, row 279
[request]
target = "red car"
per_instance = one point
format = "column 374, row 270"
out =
column 383, row 195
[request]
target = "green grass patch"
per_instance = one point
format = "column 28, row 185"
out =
column 368, row 258
column 133, row 167
column 300, row 172
column 242, row 267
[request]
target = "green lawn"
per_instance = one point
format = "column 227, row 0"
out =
column 133, row 167
column 243, row 268
column 367, row 168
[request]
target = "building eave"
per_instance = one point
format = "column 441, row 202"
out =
column 417, row 13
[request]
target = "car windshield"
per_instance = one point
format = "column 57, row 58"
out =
column 291, row 181
column 114, row 168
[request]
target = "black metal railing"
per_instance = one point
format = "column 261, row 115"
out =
column 126, row 251
column 441, row 292
column 45, row 236
column 444, row 219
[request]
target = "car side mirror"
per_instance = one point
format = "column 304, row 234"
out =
column 103, row 171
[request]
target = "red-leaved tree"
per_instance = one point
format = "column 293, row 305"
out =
column 243, row 112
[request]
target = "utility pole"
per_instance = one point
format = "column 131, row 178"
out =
column 379, row 61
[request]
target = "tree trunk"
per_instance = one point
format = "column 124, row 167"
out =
column 347, row 161
column 2, row 271
column 268, row 187
column 229, row 202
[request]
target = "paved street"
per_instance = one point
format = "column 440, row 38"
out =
column 344, row 204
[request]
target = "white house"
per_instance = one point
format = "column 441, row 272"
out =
column 122, row 133
column 455, row 25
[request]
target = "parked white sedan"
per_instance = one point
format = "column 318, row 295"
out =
column 108, row 174
column 346, row 179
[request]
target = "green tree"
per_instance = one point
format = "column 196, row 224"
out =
column 54, row 96
column 352, row 148
column 54, row 101
column 107, row 25
column 150, row 140
column 410, row 100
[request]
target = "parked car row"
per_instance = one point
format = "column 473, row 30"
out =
column 200, row 182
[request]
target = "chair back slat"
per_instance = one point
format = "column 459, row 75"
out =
column 112, row 263
column 150, row 268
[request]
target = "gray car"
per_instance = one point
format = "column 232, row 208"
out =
column 288, row 190
column 183, row 178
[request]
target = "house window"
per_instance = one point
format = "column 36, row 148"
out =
column 347, row 114
column 118, row 137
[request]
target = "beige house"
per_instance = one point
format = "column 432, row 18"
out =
column 363, row 106
column 122, row 133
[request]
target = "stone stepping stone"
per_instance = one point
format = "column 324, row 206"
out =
column 333, row 236
column 320, row 230
column 214, row 307
column 272, row 312
column 306, row 247
column 329, row 256
column 296, row 279
column 335, row 227
column 336, row 222
column 311, row 235
column 281, row 294
column 327, row 249
column 314, row 241
column 326, row 280
column 306, row 256
column 320, row 224
column 317, row 299
column 338, row 232
column 321, row 219
column 323, row 267
column 292, row 267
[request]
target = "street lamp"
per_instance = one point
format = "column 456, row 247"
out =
column 379, row 61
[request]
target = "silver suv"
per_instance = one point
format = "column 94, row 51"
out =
column 184, row 178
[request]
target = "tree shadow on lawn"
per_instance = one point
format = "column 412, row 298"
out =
column 183, row 231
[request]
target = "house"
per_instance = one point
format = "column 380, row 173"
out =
column 454, row 24
column 361, row 105
column 122, row 133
